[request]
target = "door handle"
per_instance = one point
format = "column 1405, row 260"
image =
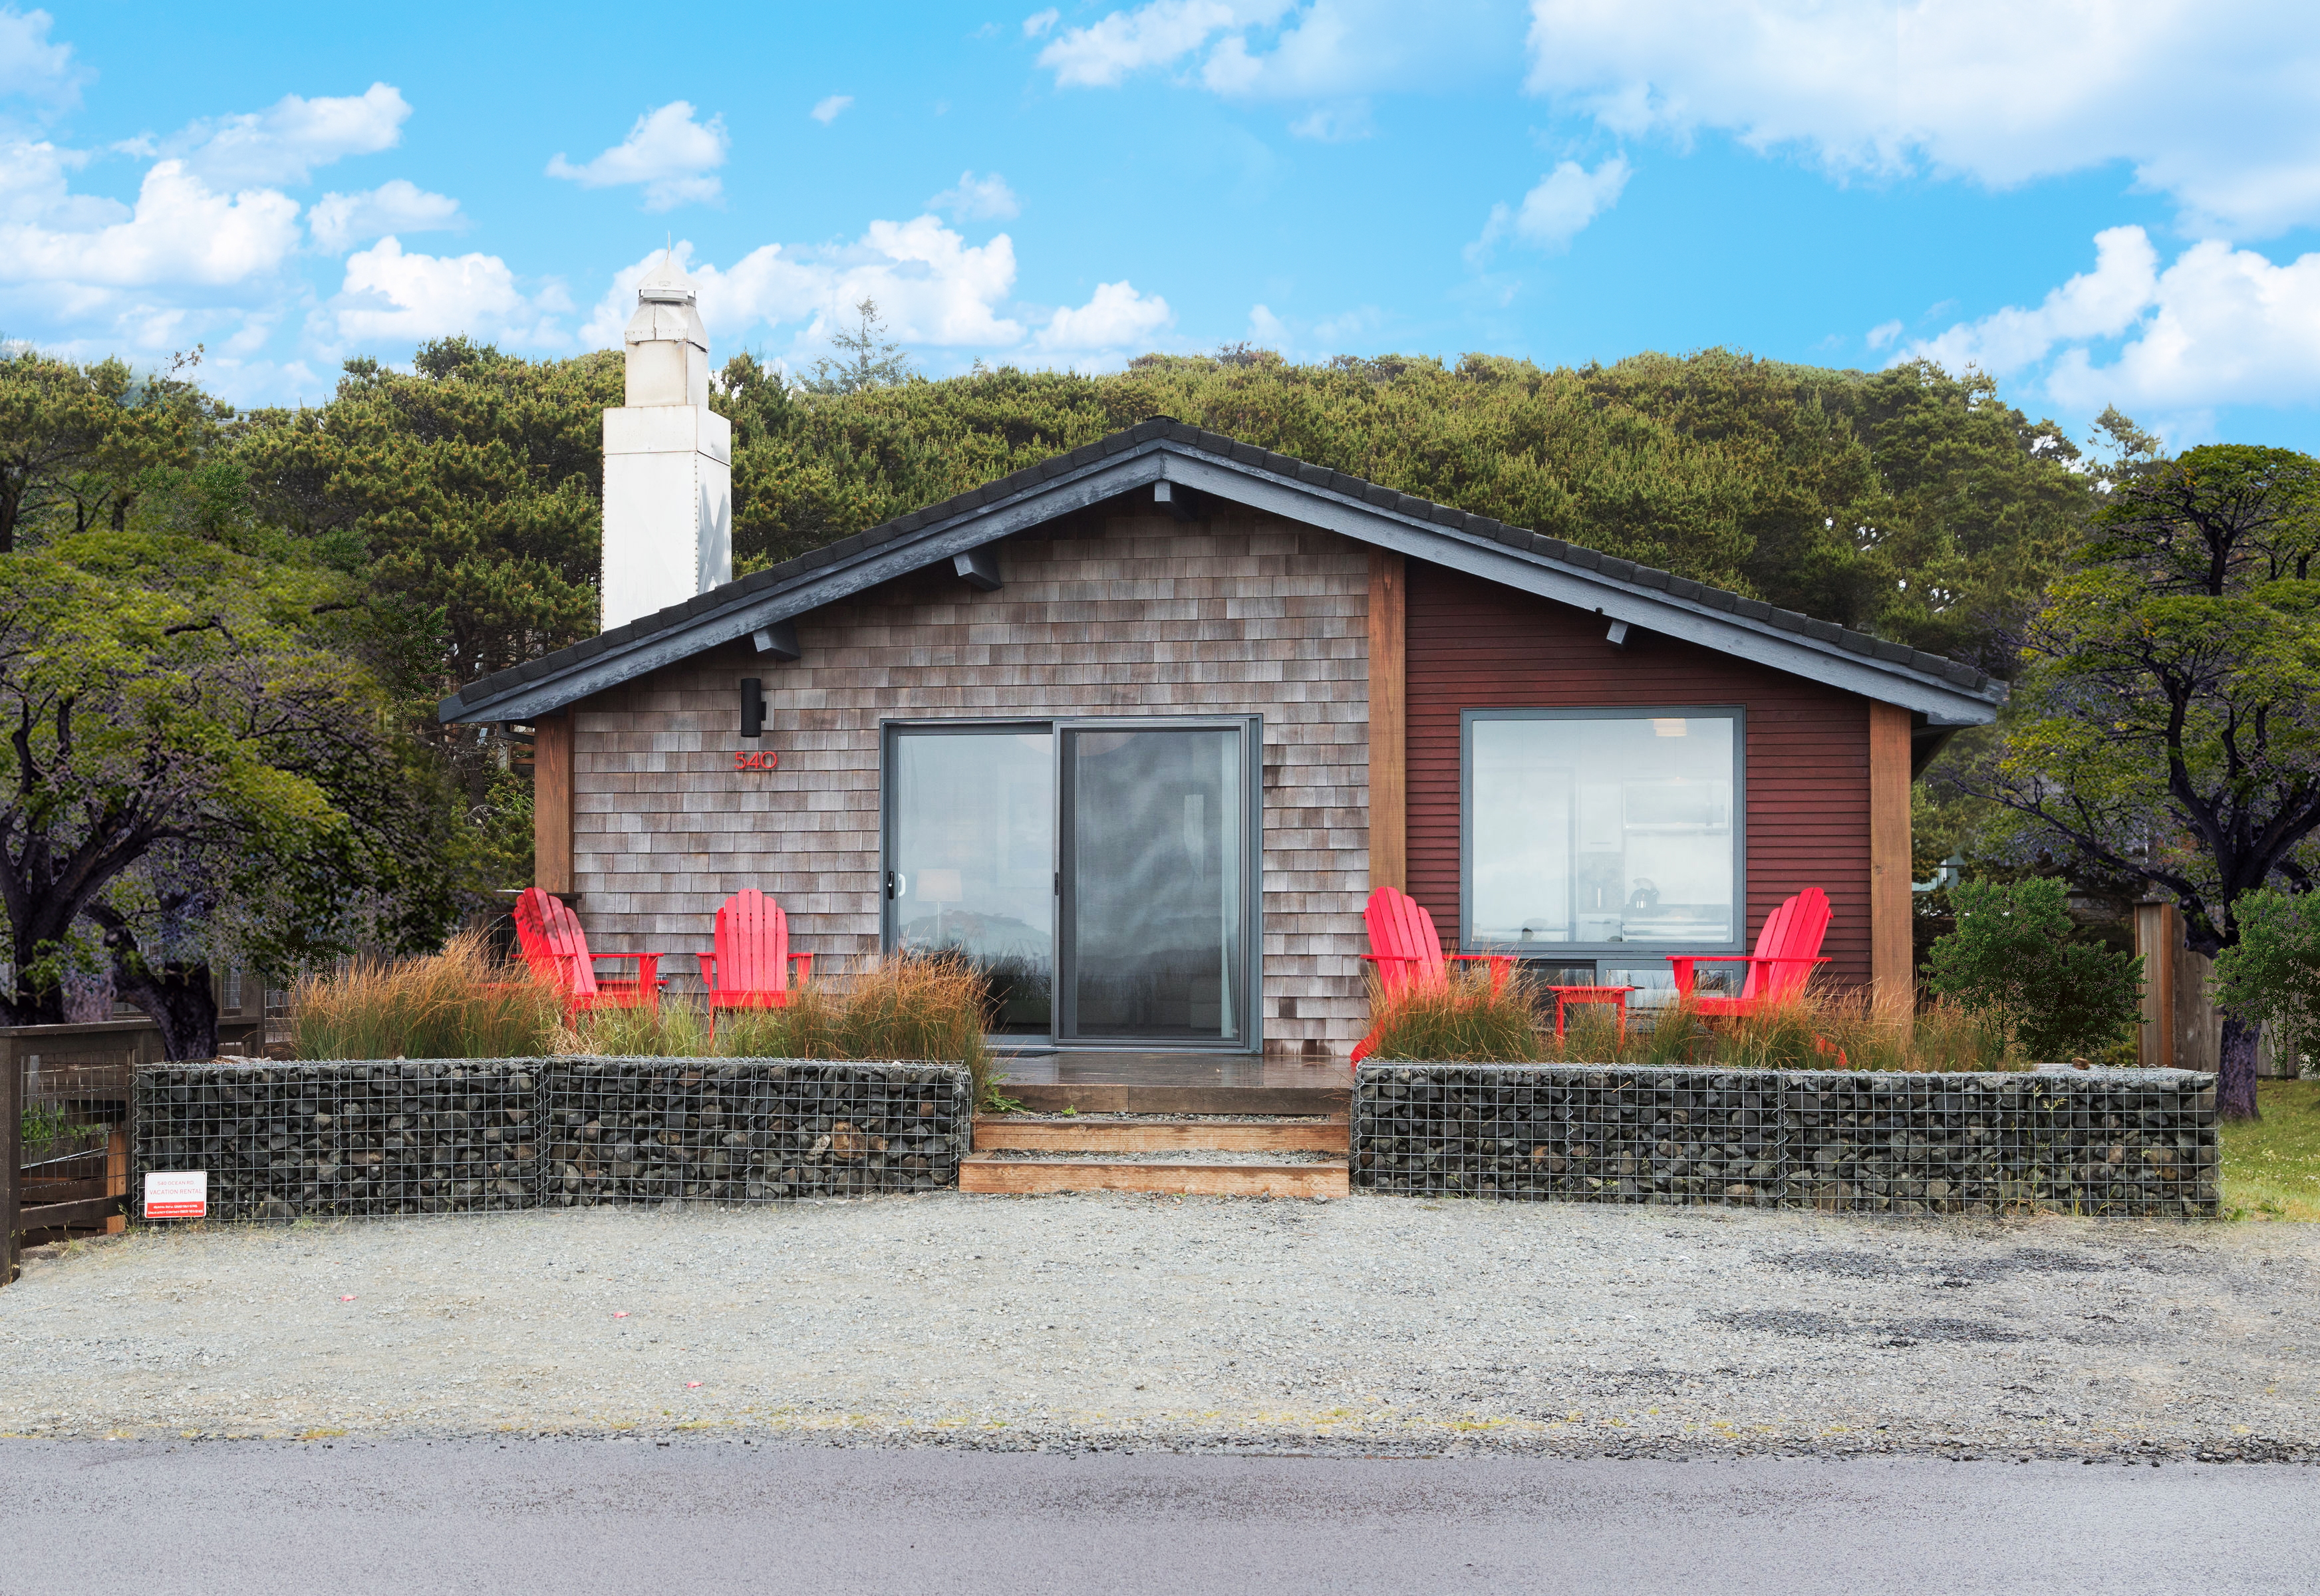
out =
column 897, row 883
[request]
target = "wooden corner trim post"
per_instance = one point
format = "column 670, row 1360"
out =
column 551, row 804
column 2156, row 938
column 1388, row 612
column 1891, row 955
column 12, row 1155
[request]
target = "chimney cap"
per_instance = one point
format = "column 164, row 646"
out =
column 667, row 284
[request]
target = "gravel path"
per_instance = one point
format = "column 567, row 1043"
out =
column 1371, row 1325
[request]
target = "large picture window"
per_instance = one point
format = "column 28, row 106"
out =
column 1596, row 829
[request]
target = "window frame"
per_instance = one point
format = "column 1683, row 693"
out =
column 1600, row 952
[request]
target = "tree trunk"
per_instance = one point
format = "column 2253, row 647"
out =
column 2235, row 1071
column 23, row 1007
column 180, row 999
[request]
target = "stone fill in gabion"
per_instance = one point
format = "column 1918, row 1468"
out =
column 648, row 1130
column 2096, row 1142
column 444, row 1136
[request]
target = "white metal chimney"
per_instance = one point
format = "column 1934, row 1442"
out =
column 668, row 462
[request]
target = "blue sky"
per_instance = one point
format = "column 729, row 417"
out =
column 2100, row 202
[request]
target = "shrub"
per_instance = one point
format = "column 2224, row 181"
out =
column 459, row 1003
column 2015, row 959
column 2271, row 975
column 47, row 1131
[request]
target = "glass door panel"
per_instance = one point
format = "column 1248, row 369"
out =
column 971, row 856
column 1157, row 888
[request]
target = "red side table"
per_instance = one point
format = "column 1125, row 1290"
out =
column 1617, row 996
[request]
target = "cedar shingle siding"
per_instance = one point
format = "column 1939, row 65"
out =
column 1104, row 613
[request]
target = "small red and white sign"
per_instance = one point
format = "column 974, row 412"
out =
column 183, row 1194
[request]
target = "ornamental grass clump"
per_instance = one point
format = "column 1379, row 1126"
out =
column 931, row 1008
column 459, row 1003
column 1463, row 1020
column 934, row 1009
column 1466, row 1021
column 673, row 1029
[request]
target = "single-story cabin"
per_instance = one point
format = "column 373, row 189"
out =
column 1140, row 728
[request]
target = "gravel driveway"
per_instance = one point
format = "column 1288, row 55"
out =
column 1370, row 1325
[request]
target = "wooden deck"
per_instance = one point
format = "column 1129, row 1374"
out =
column 1275, row 1107
column 1176, row 1084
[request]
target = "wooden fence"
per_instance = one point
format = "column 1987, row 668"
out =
column 76, row 1076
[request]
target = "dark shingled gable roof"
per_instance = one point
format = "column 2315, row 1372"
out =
column 655, row 640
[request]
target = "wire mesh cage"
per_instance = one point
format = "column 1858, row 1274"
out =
column 454, row 1136
column 653, row 1131
column 2102, row 1142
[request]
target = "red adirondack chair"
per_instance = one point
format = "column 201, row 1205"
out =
column 1408, row 952
column 751, row 968
column 556, row 949
column 1788, row 949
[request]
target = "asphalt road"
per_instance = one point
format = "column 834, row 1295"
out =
column 567, row 1518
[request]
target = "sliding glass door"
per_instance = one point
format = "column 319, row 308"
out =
column 1100, row 874
column 971, row 859
column 1154, row 913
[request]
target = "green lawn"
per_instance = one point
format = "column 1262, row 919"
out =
column 2271, row 1168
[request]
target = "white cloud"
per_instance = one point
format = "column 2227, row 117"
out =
column 2211, row 103
column 2227, row 327
column 1338, row 123
column 667, row 152
column 1116, row 318
column 287, row 140
column 31, row 66
column 179, row 232
column 392, row 296
column 826, row 108
column 2098, row 304
column 34, row 187
column 1335, row 47
column 1362, row 322
column 977, row 199
column 1265, row 328
column 1155, row 35
column 2220, row 326
column 1040, row 21
column 933, row 288
column 1282, row 50
column 1883, row 333
column 338, row 221
column 1560, row 207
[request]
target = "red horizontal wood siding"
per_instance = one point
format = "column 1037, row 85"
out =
column 1476, row 645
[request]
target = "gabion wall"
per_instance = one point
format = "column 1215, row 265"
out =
column 2092, row 1142
column 444, row 1136
column 647, row 1129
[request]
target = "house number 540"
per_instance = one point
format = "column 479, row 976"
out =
column 767, row 761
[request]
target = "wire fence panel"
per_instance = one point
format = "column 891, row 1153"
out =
column 658, row 1130
column 2123, row 1142
column 283, row 1141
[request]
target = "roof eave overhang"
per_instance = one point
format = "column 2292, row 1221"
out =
column 1942, row 703
column 1316, row 504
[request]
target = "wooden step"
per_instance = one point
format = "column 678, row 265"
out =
column 1049, row 1097
column 982, row 1173
column 992, row 1133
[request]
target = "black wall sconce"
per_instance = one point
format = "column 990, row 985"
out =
column 753, row 706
